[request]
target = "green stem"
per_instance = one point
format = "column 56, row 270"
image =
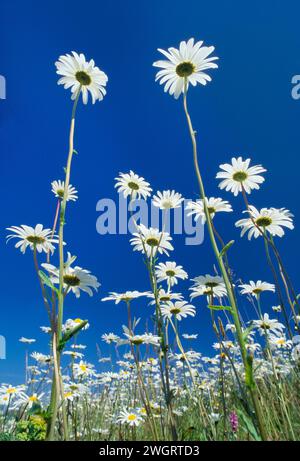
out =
column 234, row 311
column 55, row 387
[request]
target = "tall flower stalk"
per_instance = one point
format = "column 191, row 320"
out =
column 57, row 386
column 247, row 361
column 83, row 77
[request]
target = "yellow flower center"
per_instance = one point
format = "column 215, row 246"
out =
column 11, row 390
column 68, row 394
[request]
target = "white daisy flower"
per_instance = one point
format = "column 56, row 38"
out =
column 189, row 336
column 70, row 324
column 126, row 297
column 75, row 278
column 239, row 175
column 74, row 354
column 11, row 391
column 27, row 340
column 280, row 342
column 78, row 346
column 40, row 358
column 179, row 309
column 133, row 186
column 270, row 220
column 256, row 288
column 214, row 205
column 83, row 369
column 230, row 327
column 28, row 400
column 186, row 64
column 171, row 272
column 269, row 325
column 276, row 308
column 226, row 344
column 70, row 395
column 132, row 418
column 164, row 296
column 167, row 199
column 58, row 188
column 191, row 355
column 79, row 74
column 110, row 338
column 138, row 340
column 151, row 241
column 34, row 238
column 208, row 285
column 253, row 347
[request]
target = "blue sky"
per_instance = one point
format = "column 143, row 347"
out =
column 247, row 110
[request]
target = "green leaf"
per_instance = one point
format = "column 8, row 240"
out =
column 70, row 333
column 226, row 248
column 249, row 373
column 46, row 281
column 249, row 425
column 219, row 308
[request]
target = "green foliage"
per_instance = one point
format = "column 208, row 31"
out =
column 70, row 333
column 219, row 308
column 226, row 248
column 6, row 437
column 249, row 426
column 32, row 429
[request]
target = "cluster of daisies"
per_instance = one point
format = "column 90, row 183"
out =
column 109, row 400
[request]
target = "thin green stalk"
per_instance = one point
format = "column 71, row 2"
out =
column 63, row 204
column 234, row 311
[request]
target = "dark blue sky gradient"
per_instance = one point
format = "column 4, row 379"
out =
column 247, row 110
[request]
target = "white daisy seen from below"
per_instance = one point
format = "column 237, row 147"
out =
column 185, row 65
column 36, row 238
column 126, row 297
column 269, row 220
column 239, row 175
column 83, row 369
column 75, row 278
column 151, row 241
column 70, row 324
column 189, row 336
column 78, row 74
column 179, row 309
column 210, row 285
column 110, row 338
column 164, row 296
column 214, row 205
column 133, row 186
column 167, row 200
column 280, row 342
column 58, row 188
column 256, row 288
column 138, row 340
column 27, row 340
column 131, row 418
column 265, row 324
column 170, row 272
